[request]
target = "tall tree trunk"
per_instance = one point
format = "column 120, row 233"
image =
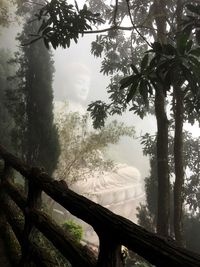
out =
column 179, row 168
column 162, row 165
column 162, row 134
column 178, row 146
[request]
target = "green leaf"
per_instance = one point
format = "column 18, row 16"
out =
column 132, row 91
column 143, row 89
column 134, row 69
column 54, row 42
column 144, row 62
column 85, row 7
column 68, row 42
column 125, row 82
column 150, row 89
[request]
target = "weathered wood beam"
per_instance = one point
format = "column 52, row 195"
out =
column 38, row 256
column 75, row 253
column 156, row 250
column 109, row 252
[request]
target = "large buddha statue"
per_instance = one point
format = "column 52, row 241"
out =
column 109, row 189
column 119, row 190
column 73, row 87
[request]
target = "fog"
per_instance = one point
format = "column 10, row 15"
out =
column 78, row 81
column 120, row 186
column 78, row 60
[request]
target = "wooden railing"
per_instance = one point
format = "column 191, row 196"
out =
column 112, row 230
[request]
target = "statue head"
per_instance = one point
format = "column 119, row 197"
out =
column 75, row 83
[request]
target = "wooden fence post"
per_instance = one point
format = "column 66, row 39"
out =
column 33, row 202
column 109, row 252
column 6, row 174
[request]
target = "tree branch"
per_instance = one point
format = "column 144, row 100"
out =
column 109, row 29
column 134, row 27
column 115, row 13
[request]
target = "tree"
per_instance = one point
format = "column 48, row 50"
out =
column 147, row 212
column 49, row 34
column 4, row 13
column 141, row 81
column 171, row 49
column 83, row 150
column 7, row 16
column 191, row 230
column 30, row 102
column 192, row 161
column 6, row 121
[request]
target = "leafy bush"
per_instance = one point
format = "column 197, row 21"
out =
column 74, row 229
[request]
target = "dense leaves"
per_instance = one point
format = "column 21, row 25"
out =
column 166, row 65
column 147, row 213
column 170, row 67
column 30, row 102
column 6, row 121
column 98, row 111
column 83, row 149
column 192, row 20
column 4, row 13
column 74, row 229
column 63, row 22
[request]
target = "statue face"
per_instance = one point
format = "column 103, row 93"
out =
column 74, row 84
column 81, row 87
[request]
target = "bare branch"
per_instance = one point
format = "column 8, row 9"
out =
column 109, row 29
column 135, row 28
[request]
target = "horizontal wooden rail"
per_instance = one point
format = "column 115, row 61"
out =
column 74, row 252
column 40, row 258
column 156, row 250
column 111, row 228
column 77, row 254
